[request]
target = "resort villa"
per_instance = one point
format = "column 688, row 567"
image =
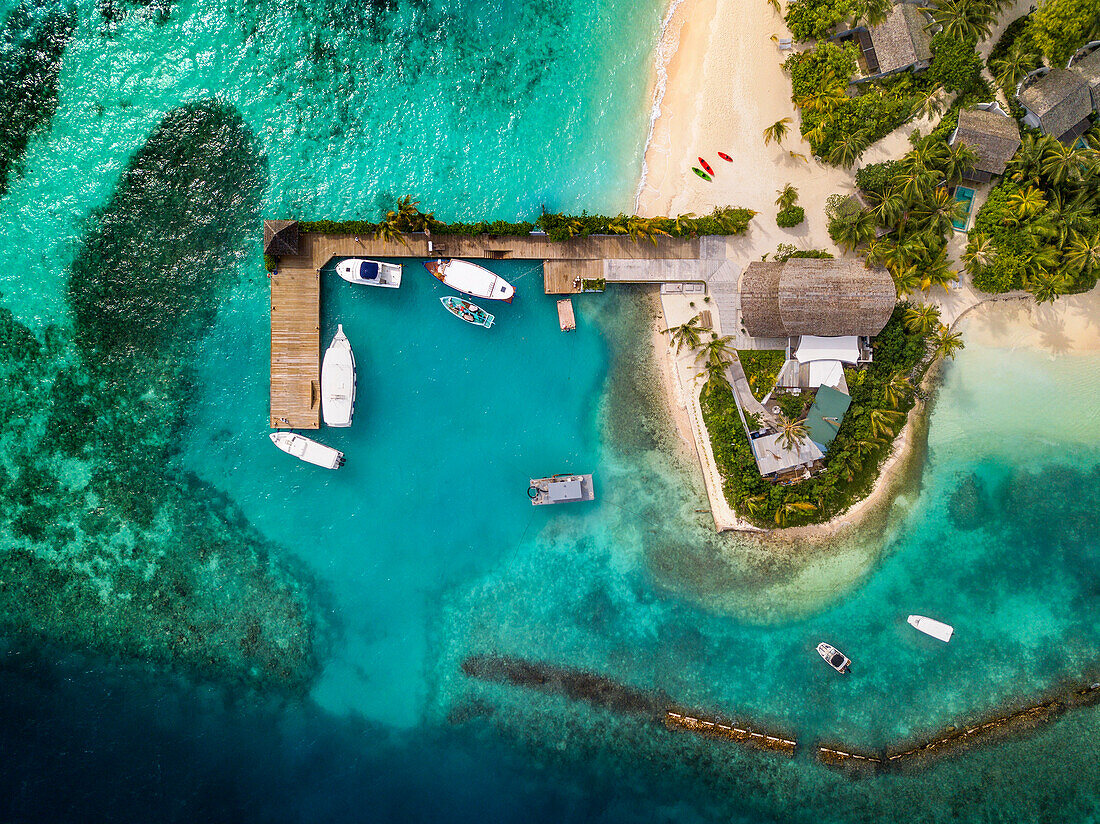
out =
column 901, row 42
column 992, row 134
column 828, row 310
column 1060, row 102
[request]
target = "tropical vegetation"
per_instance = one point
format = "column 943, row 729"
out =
column 1039, row 229
column 761, row 368
column 882, row 394
column 1059, row 27
column 406, row 217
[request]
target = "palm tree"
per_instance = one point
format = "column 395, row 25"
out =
column 887, row 207
column 940, row 210
column 792, row 433
column 754, row 503
column 777, row 131
column 788, row 197
column 686, row 334
column 980, row 252
column 1028, row 160
column 776, row 5
column 1010, row 69
column 930, row 105
column 797, row 156
column 848, row 149
column 884, row 422
column 715, row 377
column 915, row 184
column 682, row 225
column 847, row 463
column 717, row 350
column 1024, row 203
column 922, row 319
column 875, row 11
column 859, row 228
column 907, row 278
column 1062, row 163
column 947, row 342
column 960, row 158
column 790, row 507
column 1082, row 254
column 963, row 19
column 1046, row 286
column 897, row 389
column 388, row 230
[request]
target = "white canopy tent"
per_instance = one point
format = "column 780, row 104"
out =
column 826, row 373
column 812, row 348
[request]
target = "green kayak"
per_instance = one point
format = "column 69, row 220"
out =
column 701, row 173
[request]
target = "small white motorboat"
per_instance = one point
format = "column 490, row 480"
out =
column 308, row 450
column 370, row 272
column 834, row 658
column 471, row 279
column 930, row 626
column 338, row 381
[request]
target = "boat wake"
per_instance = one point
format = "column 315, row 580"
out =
column 668, row 41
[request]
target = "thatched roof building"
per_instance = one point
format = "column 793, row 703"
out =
column 828, row 298
column 1058, row 103
column 280, row 237
column 1088, row 67
column 993, row 135
column 901, row 41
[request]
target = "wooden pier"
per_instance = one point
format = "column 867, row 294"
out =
column 300, row 255
column 566, row 319
column 296, row 349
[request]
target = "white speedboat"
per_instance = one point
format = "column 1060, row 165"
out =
column 834, row 658
column 370, row 272
column 338, row 381
column 308, row 450
column 930, row 626
column 471, row 279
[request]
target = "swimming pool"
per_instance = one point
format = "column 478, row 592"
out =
column 964, row 196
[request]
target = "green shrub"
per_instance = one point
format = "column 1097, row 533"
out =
column 270, row 263
column 956, row 65
column 761, row 369
column 1060, row 27
column 813, row 19
column 786, row 251
column 1003, row 275
column 791, row 216
column 873, row 177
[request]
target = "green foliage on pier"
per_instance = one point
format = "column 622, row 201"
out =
column 880, row 402
column 102, row 544
column 32, row 42
column 407, row 218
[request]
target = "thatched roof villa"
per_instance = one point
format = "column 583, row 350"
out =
column 993, row 135
column 826, row 298
column 902, row 40
column 1088, row 67
column 1058, row 104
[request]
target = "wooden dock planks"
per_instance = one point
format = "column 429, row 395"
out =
column 296, row 349
column 566, row 319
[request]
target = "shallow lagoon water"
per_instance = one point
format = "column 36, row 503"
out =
column 425, row 546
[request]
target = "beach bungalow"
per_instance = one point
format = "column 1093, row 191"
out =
column 777, row 462
column 822, row 298
column 992, row 134
column 1058, row 103
column 902, row 42
column 1087, row 64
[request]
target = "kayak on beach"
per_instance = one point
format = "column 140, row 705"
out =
column 701, row 173
column 706, row 166
column 725, row 156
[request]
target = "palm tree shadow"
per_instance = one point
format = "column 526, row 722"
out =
column 1051, row 325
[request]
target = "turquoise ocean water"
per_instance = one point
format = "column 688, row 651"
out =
column 424, row 547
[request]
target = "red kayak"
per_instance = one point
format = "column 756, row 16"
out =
column 706, row 166
column 725, row 156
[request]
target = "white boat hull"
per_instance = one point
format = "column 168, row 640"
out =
column 930, row 626
column 338, row 382
column 471, row 279
column 370, row 272
column 308, row 450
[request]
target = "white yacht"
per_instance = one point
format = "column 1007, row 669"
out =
column 834, row 658
column 338, row 381
column 308, row 450
column 930, row 626
column 370, row 272
column 471, row 279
